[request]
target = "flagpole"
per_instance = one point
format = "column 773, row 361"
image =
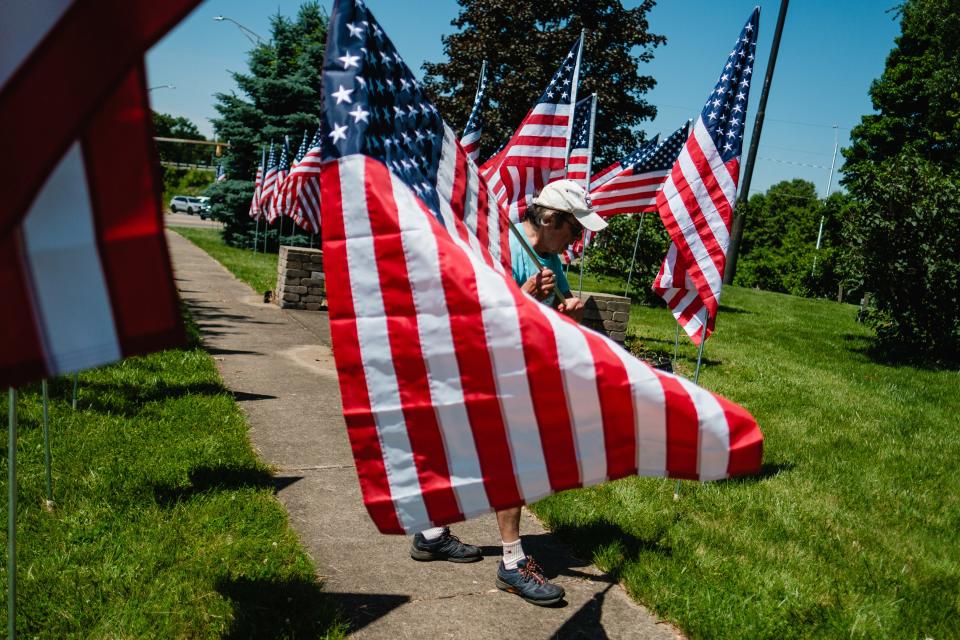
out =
column 836, row 143
column 676, row 346
column 736, row 233
column 12, row 514
column 583, row 262
column 703, row 341
column 76, row 380
column 561, row 296
column 636, row 244
column 46, row 445
column 256, row 235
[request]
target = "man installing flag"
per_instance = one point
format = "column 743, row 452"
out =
column 697, row 199
column 456, row 384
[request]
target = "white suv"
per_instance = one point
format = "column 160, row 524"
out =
column 188, row 204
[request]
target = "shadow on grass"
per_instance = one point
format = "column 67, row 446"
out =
column 768, row 470
column 899, row 358
column 605, row 538
column 208, row 479
column 128, row 399
column 267, row 609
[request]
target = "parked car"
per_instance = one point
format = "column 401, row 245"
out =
column 187, row 204
column 204, row 208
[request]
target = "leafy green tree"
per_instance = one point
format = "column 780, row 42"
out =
column 524, row 43
column 278, row 96
column 903, row 168
column 612, row 251
column 779, row 244
column 168, row 126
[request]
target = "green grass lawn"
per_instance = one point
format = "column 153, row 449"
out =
column 852, row 529
column 166, row 524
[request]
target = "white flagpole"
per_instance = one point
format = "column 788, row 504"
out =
column 626, row 292
column 46, row 445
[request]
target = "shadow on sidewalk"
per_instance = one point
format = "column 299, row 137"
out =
column 266, row 609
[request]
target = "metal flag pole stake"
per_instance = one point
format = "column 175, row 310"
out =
column 703, row 341
column 256, row 235
column 46, row 446
column 76, row 379
column 676, row 346
column 636, row 244
column 12, row 514
column 833, row 164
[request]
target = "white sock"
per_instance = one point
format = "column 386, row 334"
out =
column 432, row 534
column 512, row 554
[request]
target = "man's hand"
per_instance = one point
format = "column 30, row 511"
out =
column 540, row 285
column 572, row 307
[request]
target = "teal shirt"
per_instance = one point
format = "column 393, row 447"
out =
column 524, row 267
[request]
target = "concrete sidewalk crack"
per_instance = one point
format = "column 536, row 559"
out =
column 321, row 467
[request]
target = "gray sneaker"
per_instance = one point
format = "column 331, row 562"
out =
column 527, row 581
column 446, row 547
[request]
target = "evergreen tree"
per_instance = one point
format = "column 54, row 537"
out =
column 524, row 43
column 279, row 95
column 903, row 168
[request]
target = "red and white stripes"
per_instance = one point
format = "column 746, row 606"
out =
column 696, row 206
column 86, row 276
column 301, row 192
column 462, row 394
column 628, row 193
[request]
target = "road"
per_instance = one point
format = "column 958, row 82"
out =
column 186, row 220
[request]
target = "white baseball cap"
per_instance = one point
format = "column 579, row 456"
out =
column 570, row 196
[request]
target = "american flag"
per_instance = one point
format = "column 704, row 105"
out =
column 255, row 211
column 85, row 275
column 634, row 188
column 301, row 151
column 581, row 142
column 279, row 206
column 697, row 200
column 631, row 158
column 286, row 192
column 269, row 188
column 302, row 186
column 537, row 152
column 580, row 162
column 454, row 382
column 470, row 140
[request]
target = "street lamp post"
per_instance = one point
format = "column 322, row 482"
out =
column 252, row 35
column 162, row 86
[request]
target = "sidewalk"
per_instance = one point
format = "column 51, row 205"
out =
column 280, row 367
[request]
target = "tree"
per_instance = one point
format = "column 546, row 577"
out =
column 612, row 251
column 168, row 126
column 903, row 169
column 780, row 243
column 524, row 42
column 279, row 96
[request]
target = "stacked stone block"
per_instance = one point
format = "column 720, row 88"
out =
column 607, row 314
column 300, row 280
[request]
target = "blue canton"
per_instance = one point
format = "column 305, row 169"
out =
column 665, row 155
column 302, row 151
column 558, row 91
column 581, row 124
column 373, row 104
column 475, row 121
column 725, row 112
column 284, row 164
column 636, row 156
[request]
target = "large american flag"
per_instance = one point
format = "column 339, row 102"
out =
column 697, row 200
column 85, row 275
column 537, row 152
column 457, row 386
column 634, row 188
column 269, row 187
column 470, row 140
column 255, row 211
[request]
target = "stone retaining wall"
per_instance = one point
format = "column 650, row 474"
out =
column 300, row 280
column 606, row 313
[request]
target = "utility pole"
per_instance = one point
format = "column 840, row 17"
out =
column 736, row 233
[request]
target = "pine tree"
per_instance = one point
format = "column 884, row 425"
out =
column 903, row 169
column 278, row 96
column 524, row 43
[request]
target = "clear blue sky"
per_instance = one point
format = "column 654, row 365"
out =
column 829, row 53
